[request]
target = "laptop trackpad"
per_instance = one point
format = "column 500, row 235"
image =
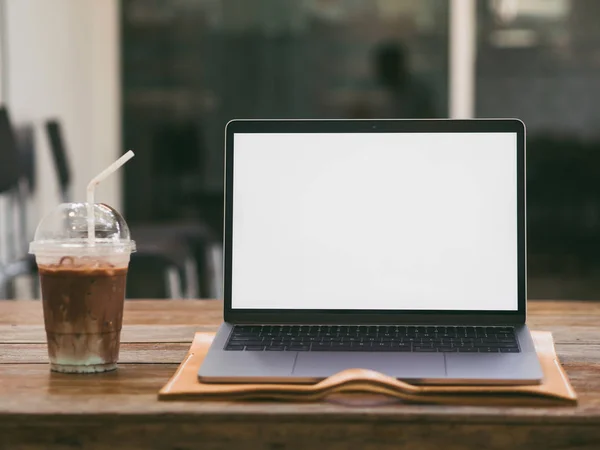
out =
column 412, row 366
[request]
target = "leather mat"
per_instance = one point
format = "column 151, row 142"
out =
column 366, row 387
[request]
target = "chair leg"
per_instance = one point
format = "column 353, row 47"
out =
column 8, row 274
column 191, row 278
column 215, row 264
column 3, row 287
column 36, row 288
column 173, row 283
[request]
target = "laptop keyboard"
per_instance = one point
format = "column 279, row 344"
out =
column 382, row 338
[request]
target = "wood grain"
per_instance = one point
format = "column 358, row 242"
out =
column 187, row 433
column 40, row 409
column 35, row 334
column 34, row 391
column 129, row 353
column 137, row 312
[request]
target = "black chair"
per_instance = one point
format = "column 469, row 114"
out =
column 25, row 142
column 177, row 153
column 9, row 157
column 160, row 268
column 59, row 155
column 204, row 246
column 17, row 179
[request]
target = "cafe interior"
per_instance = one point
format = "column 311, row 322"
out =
column 82, row 82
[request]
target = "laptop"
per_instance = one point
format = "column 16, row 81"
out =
column 391, row 245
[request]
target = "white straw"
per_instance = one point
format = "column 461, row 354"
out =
column 91, row 187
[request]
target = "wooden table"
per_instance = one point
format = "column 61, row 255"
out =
column 41, row 410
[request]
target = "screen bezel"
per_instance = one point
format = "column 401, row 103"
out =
column 375, row 126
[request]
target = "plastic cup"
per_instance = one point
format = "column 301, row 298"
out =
column 83, row 286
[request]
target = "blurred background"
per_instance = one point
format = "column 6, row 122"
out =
column 83, row 81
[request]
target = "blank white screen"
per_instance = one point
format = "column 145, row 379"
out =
column 375, row 221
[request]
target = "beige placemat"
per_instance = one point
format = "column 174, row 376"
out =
column 373, row 387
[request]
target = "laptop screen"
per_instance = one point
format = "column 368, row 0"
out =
column 375, row 221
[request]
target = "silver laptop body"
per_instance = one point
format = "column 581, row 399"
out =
column 392, row 245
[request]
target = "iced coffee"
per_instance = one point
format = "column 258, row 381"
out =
column 83, row 311
column 83, row 286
